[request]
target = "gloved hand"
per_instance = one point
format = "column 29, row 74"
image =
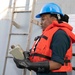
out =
column 26, row 54
column 21, row 63
column 40, row 67
column 35, row 66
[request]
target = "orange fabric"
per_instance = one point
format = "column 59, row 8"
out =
column 43, row 45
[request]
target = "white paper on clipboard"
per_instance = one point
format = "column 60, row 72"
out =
column 17, row 52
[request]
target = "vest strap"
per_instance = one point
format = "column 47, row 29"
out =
column 40, row 55
column 45, row 37
column 42, row 36
column 67, row 61
column 49, row 58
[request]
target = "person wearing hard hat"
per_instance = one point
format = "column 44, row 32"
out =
column 51, row 52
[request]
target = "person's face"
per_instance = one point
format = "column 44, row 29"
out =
column 46, row 20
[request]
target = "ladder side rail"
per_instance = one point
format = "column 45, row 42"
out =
column 4, row 69
column 30, row 29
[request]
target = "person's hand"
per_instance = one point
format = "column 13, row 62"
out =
column 35, row 66
column 20, row 63
column 26, row 54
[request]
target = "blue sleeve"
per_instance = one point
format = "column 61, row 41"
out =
column 59, row 45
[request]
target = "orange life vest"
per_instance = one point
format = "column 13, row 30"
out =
column 41, row 51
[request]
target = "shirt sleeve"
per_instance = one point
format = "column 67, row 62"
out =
column 59, row 45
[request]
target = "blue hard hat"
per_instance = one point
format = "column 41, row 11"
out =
column 51, row 8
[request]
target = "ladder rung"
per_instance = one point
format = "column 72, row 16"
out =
column 36, row 22
column 9, row 57
column 73, row 54
column 19, row 7
column 18, row 33
column 22, row 11
column 16, row 24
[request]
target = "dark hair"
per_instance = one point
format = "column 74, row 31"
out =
column 61, row 18
column 65, row 18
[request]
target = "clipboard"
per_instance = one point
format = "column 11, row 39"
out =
column 17, row 52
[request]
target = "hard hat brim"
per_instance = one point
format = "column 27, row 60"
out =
column 39, row 15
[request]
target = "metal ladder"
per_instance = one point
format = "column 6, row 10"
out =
column 17, row 25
